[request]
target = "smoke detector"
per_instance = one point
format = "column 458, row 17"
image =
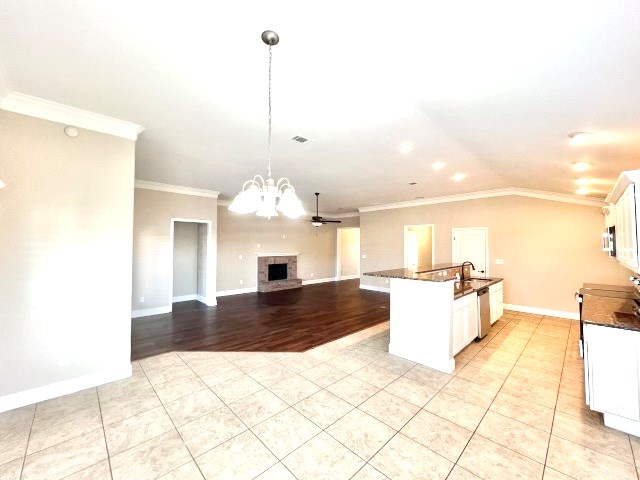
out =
column 300, row 139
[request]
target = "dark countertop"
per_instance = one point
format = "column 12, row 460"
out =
column 609, row 308
column 460, row 289
column 612, row 288
column 408, row 274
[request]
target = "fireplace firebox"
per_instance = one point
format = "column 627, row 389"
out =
column 277, row 271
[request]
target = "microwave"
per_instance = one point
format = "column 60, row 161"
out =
column 609, row 241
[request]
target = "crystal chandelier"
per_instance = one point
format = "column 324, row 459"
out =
column 267, row 197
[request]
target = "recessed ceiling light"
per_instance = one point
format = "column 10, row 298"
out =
column 458, row 177
column 406, row 147
column 438, row 165
column 71, row 132
column 581, row 166
column 583, row 181
column 579, row 138
column 582, row 191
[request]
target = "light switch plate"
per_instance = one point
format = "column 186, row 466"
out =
column 499, row 261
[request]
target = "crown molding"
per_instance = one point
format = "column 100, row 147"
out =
column 501, row 192
column 56, row 112
column 166, row 187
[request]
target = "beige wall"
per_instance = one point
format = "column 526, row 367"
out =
column 349, row 239
column 185, row 259
column 549, row 248
column 152, row 250
column 239, row 235
column 424, row 236
column 65, row 258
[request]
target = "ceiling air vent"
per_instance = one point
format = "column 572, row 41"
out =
column 300, row 139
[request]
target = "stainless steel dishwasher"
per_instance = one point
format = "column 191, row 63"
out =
column 484, row 312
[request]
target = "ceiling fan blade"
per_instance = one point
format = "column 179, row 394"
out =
column 331, row 221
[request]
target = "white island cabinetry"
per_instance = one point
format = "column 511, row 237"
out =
column 465, row 321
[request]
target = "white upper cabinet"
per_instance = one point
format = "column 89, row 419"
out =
column 626, row 200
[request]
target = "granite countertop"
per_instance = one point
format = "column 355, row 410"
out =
column 473, row 284
column 609, row 311
column 409, row 274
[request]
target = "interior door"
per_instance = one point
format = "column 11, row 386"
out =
column 471, row 244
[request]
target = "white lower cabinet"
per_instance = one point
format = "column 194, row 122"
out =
column 612, row 375
column 496, row 302
column 465, row 322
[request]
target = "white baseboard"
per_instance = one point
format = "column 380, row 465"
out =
column 185, row 298
column 65, row 387
column 238, row 291
column 150, row 311
column 209, row 303
column 543, row 311
column 318, row 280
column 349, row 277
column 375, row 288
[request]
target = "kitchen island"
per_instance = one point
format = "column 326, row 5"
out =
column 433, row 315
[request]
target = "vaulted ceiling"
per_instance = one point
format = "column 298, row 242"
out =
column 490, row 88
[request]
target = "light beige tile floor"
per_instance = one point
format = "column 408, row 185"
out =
column 514, row 408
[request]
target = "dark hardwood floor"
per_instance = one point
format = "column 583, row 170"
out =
column 290, row 320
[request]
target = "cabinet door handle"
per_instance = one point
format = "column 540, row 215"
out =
column 480, row 271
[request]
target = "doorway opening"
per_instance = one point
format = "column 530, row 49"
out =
column 419, row 252
column 348, row 253
column 471, row 244
column 190, row 242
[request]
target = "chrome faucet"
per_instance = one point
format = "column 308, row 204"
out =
column 467, row 262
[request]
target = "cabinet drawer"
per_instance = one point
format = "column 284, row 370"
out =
column 495, row 287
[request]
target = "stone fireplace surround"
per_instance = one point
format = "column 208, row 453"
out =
column 264, row 285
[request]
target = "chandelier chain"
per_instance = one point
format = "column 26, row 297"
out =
column 269, row 142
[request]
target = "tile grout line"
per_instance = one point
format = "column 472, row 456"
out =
column 488, row 408
column 104, row 433
column 240, row 420
column 26, row 447
column 171, row 420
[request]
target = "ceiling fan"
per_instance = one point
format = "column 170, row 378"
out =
column 317, row 220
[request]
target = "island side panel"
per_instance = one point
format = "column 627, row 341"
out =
column 420, row 322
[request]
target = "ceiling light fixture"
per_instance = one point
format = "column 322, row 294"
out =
column 458, row 177
column 71, row 132
column 406, row 147
column 260, row 195
column 438, row 165
column 581, row 166
column 582, row 191
column 579, row 138
column 2, row 184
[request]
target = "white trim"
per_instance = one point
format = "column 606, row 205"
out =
column 501, row 192
column 186, row 298
column 237, row 291
column 543, row 311
column 224, row 203
column 56, row 112
column 266, row 254
column 146, row 312
column 625, row 179
column 206, row 301
column 64, row 387
column 349, row 277
column 318, row 280
column 166, row 187
column 375, row 288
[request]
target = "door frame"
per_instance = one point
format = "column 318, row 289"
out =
column 486, row 245
column 405, row 229
column 339, row 275
column 210, row 268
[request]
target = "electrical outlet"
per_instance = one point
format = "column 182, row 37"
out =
column 240, row 257
column 258, row 246
column 241, row 282
column 311, row 274
column 284, row 236
column 141, row 299
column 364, row 255
column 386, row 281
column 499, row 261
